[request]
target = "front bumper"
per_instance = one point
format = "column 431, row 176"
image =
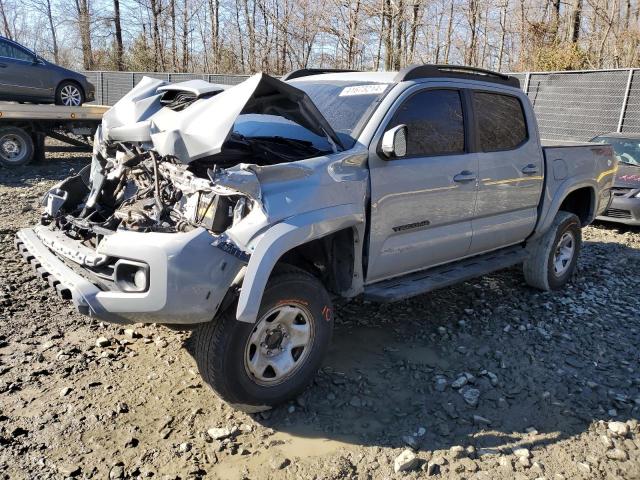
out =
column 188, row 276
column 623, row 209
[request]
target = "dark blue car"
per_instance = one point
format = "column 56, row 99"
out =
column 26, row 77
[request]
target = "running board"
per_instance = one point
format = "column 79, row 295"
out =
column 417, row 283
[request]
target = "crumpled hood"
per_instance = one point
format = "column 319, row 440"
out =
column 627, row 176
column 201, row 129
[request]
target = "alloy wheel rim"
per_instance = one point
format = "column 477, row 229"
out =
column 70, row 96
column 279, row 344
column 564, row 253
column 12, row 148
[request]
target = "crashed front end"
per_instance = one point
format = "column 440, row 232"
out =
column 158, row 228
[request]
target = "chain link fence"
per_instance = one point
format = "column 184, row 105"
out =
column 570, row 106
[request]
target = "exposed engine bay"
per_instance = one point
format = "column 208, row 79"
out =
column 168, row 158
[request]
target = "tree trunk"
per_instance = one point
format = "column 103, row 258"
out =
column 158, row 51
column 54, row 36
column 214, row 13
column 84, row 26
column 174, row 44
column 185, row 36
column 5, row 22
column 472, row 18
column 118, row 28
column 503, row 32
column 414, row 28
column 399, row 33
column 575, row 21
column 447, row 48
column 555, row 19
column 388, row 38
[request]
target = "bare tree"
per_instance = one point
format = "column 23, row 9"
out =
column 84, row 27
column 118, row 30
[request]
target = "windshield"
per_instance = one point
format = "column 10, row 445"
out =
column 345, row 104
column 627, row 150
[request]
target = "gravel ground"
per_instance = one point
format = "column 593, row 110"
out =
column 486, row 380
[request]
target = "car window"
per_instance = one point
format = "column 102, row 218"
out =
column 627, row 150
column 435, row 123
column 11, row 51
column 500, row 121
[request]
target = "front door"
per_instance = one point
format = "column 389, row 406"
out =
column 422, row 204
column 20, row 77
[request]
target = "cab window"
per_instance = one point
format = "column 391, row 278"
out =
column 11, row 51
column 435, row 123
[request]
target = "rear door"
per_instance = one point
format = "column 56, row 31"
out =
column 510, row 164
column 20, row 77
column 422, row 204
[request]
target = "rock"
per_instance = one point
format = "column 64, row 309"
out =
column 606, row 441
column 421, row 431
column 278, row 462
column 478, row 420
column 69, row 470
column 524, row 461
column 432, row 469
column 184, row 447
column 469, row 465
column 470, row 395
column 117, row 471
column 584, row 467
column 441, row 384
column 131, row 443
column 411, row 441
column 506, row 463
column 355, row 402
column 132, row 334
column 405, row 462
column 64, row 391
column 103, row 342
column 457, row 451
column 619, row 428
column 617, row 454
column 219, row 433
column 160, row 342
column 531, row 431
column 459, row 382
column 522, row 453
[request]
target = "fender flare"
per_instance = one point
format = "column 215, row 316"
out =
column 563, row 191
column 281, row 238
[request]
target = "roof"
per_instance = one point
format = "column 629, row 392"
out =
column 372, row 77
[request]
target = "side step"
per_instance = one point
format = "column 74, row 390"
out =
column 417, row 283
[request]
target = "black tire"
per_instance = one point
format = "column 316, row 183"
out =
column 540, row 268
column 223, row 345
column 69, row 94
column 16, row 146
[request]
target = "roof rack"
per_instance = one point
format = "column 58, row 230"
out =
column 414, row 72
column 307, row 72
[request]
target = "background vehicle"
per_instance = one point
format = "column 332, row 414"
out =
column 625, row 205
column 26, row 77
column 193, row 214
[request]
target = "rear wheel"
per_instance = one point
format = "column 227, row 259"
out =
column 16, row 146
column 69, row 94
column 256, row 366
column 554, row 256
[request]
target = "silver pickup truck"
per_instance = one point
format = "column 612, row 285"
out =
column 243, row 211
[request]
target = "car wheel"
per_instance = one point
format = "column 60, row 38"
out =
column 256, row 366
column 554, row 256
column 69, row 94
column 16, row 146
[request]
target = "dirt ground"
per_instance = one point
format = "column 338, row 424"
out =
column 486, row 380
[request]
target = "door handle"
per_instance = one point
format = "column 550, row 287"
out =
column 530, row 169
column 464, row 177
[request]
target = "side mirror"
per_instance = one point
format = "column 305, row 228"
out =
column 394, row 142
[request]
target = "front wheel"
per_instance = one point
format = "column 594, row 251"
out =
column 554, row 256
column 256, row 366
column 69, row 94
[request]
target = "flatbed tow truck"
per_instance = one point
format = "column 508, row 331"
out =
column 24, row 127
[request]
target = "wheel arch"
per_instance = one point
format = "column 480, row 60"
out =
column 302, row 240
column 69, row 80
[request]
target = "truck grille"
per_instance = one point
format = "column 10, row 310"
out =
column 617, row 213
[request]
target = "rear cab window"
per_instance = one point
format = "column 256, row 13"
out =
column 500, row 121
column 435, row 123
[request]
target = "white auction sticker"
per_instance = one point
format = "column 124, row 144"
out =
column 373, row 89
